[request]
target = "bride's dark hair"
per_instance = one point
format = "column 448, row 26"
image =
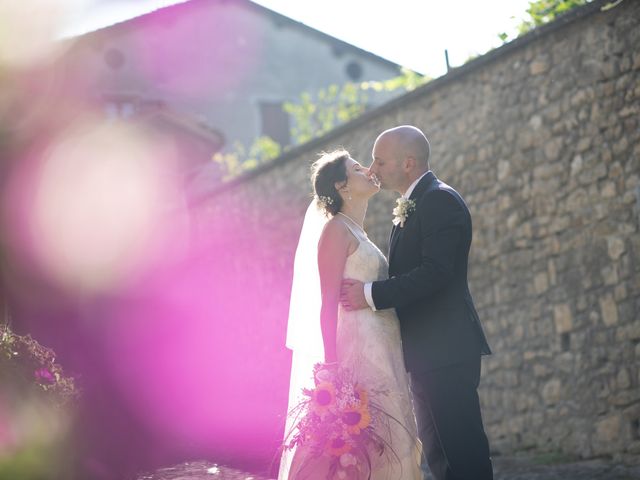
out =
column 329, row 169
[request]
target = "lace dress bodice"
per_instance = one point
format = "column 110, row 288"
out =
column 367, row 263
column 366, row 339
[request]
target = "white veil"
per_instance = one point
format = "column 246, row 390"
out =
column 304, row 334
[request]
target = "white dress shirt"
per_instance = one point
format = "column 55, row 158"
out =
column 367, row 286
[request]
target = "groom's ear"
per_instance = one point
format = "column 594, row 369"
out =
column 409, row 163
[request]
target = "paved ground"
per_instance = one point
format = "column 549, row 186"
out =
column 506, row 468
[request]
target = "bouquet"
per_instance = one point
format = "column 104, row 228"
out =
column 339, row 419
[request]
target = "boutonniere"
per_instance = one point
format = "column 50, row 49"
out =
column 403, row 208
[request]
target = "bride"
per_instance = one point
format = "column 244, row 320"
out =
column 333, row 245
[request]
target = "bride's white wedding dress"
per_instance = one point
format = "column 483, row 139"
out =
column 369, row 344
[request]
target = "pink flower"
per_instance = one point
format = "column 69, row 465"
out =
column 43, row 375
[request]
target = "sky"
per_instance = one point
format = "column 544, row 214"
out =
column 412, row 33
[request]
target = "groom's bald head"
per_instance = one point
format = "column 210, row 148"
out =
column 408, row 141
column 400, row 155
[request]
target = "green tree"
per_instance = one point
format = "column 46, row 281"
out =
column 543, row 11
column 241, row 159
column 313, row 115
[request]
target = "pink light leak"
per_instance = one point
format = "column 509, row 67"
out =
column 8, row 435
column 192, row 63
column 91, row 210
column 198, row 347
column 183, row 330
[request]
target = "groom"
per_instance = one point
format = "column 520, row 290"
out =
column 441, row 333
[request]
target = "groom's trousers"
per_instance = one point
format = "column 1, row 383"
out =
column 450, row 426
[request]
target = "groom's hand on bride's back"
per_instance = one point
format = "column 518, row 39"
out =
column 352, row 295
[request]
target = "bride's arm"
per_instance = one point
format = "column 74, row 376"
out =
column 333, row 249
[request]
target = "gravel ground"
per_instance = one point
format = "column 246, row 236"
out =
column 506, row 468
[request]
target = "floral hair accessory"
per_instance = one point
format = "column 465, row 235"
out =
column 324, row 200
column 403, row 208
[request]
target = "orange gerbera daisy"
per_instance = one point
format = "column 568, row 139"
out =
column 324, row 397
column 337, row 446
column 356, row 419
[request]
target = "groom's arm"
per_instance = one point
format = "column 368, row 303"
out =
column 442, row 226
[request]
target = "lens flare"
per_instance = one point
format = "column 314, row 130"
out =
column 28, row 29
column 101, row 200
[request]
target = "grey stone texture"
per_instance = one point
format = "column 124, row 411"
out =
column 542, row 138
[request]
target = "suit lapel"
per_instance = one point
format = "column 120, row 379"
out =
column 424, row 183
column 391, row 236
column 394, row 239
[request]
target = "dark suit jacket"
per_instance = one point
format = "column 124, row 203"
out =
column 428, row 280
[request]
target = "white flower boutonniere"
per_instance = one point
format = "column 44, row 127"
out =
column 403, row 208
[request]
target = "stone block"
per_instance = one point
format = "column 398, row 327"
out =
column 504, row 167
column 620, row 292
column 623, row 379
column 620, row 146
column 563, row 318
column 583, row 144
column 615, row 247
column 628, row 332
column 551, row 392
column 608, row 429
column 553, row 148
column 610, row 275
column 609, row 310
column 541, row 282
column 541, row 370
column 538, row 67
column 608, row 190
column 576, row 165
column 551, row 268
column 624, row 397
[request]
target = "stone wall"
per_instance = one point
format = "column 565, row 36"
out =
column 542, row 138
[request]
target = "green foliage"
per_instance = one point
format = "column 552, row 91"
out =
column 241, row 159
column 408, row 80
column 313, row 115
column 22, row 358
column 36, row 410
column 543, row 11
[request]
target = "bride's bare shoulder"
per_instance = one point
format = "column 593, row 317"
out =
column 336, row 233
column 335, row 228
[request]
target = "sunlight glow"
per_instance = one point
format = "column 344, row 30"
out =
column 28, row 29
column 99, row 196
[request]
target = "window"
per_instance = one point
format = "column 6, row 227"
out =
column 114, row 58
column 275, row 122
column 354, row 70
